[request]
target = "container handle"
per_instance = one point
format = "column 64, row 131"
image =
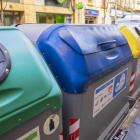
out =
column 102, row 43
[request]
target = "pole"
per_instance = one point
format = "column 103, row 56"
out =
column 2, row 21
column 132, row 8
column 104, row 11
column 116, row 10
column 73, row 11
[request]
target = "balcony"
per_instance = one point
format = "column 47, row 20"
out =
column 13, row 1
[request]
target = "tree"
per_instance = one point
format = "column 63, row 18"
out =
column 73, row 9
column 2, row 9
column 105, row 4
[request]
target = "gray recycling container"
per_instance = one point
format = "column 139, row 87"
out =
column 30, row 98
column 92, row 64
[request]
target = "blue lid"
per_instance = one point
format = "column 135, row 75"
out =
column 82, row 39
column 79, row 55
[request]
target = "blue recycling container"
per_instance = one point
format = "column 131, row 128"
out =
column 92, row 64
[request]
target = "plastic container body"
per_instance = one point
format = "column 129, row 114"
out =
column 29, row 95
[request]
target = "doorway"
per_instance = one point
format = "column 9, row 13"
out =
column 10, row 18
column 90, row 20
column 8, row 21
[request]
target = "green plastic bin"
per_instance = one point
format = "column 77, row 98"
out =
column 30, row 98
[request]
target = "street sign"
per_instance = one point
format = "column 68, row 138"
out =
column 80, row 5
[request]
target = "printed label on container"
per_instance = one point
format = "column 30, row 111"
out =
column 32, row 135
column 109, row 90
column 138, row 68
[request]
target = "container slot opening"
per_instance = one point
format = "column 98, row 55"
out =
column 137, row 30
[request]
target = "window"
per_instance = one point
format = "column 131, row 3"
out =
column 14, row 1
column 50, row 18
column 138, row 1
column 11, row 18
column 57, row 4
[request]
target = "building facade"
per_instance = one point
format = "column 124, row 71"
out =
column 94, row 10
column 60, row 11
column 36, row 11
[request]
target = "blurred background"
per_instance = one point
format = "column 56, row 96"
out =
column 66, row 11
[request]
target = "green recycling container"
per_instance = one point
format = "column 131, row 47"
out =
column 30, row 98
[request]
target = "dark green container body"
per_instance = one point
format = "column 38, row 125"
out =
column 29, row 94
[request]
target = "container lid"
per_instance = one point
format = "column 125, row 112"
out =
column 136, row 31
column 132, row 35
column 32, row 31
column 79, row 55
column 87, row 40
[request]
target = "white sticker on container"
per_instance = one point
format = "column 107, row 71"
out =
column 109, row 90
column 138, row 68
column 51, row 124
column 32, row 135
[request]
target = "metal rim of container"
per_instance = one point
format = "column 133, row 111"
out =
column 7, row 66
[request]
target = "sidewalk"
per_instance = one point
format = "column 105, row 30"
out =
column 132, row 124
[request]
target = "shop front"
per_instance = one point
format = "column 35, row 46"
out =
column 51, row 18
column 11, row 17
column 91, row 16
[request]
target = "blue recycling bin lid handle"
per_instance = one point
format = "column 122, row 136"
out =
column 80, row 55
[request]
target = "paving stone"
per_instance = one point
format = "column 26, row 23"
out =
column 139, row 137
column 131, row 118
column 137, row 120
column 133, row 133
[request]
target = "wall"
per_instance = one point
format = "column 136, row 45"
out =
column 100, row 19
column 28, row 2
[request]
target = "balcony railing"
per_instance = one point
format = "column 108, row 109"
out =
column 14, row 1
